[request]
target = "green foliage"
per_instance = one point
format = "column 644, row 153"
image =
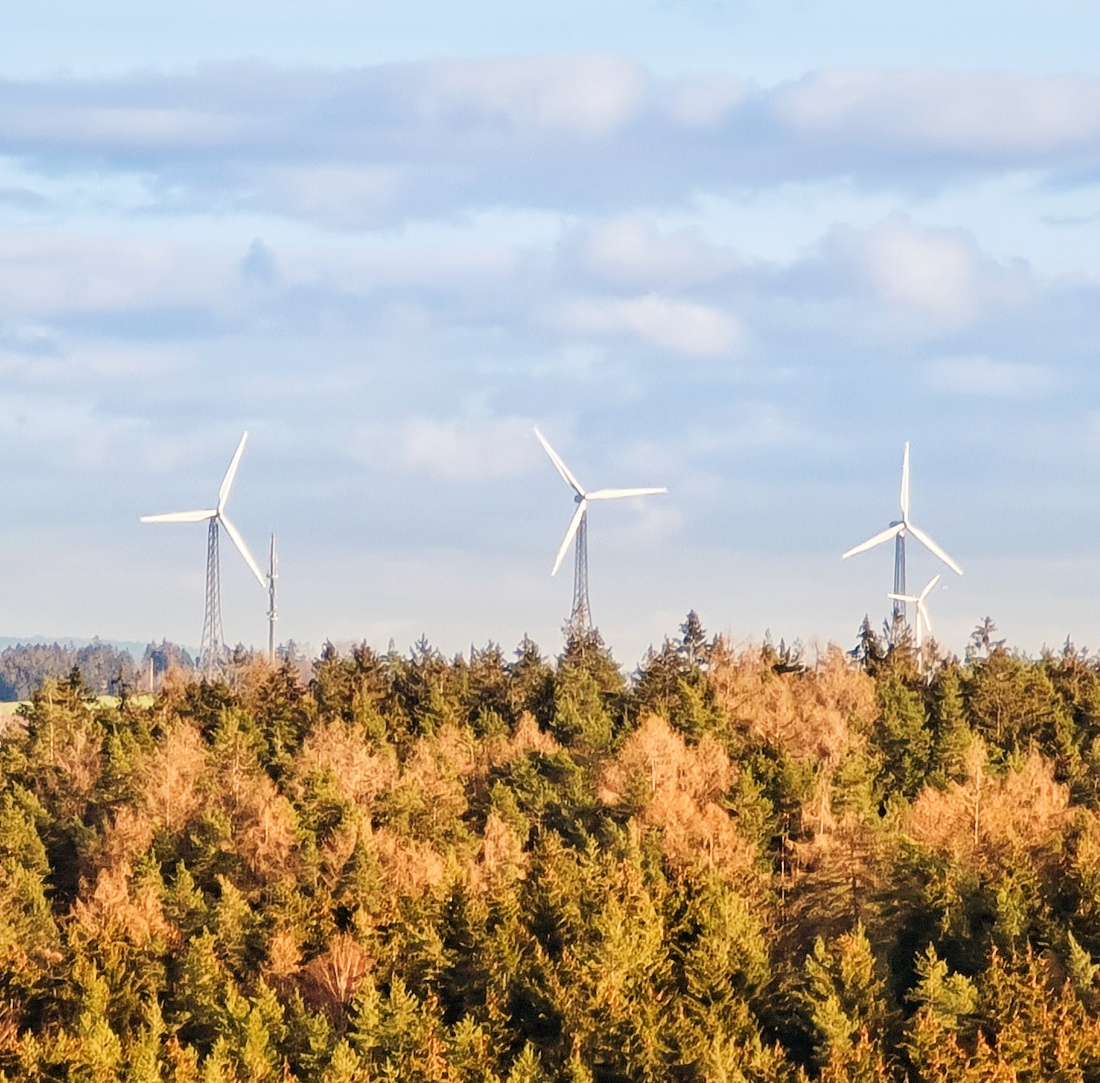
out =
column 952, row 732
column 844, row 997
column 902, row 737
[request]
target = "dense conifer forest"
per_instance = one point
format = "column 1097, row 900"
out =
column 739, row 864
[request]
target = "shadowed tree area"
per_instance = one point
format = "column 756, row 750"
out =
column 739, row 864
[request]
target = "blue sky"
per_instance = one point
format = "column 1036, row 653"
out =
column 744, row 250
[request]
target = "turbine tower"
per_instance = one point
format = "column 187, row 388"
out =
column 924, row 621
column 213, row 643
column 580, row 619
column 272, row 608
column 898, row 531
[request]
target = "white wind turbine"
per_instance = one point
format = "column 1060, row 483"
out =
column 924, row 621
column 580, row 617
column 898, row 530
column 210, row 650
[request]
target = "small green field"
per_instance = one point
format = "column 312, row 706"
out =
column 8, row 708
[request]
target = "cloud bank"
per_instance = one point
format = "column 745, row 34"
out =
column 371, row 147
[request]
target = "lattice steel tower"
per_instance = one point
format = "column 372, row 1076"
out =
column 211, row 650
column 580, row 619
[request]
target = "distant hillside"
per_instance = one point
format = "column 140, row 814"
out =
column 132, row 646
column 103, row 667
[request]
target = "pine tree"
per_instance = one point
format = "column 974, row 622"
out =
column 845, row 1002
column 901, row 734
column 952, row 733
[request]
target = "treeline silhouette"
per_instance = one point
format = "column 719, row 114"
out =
column 738, row 865
column 104, row 669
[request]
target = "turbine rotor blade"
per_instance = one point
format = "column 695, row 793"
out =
column 878, row 539
column 238, row 541
column 181, row 516
column 903, row 598
column 928, row 588
column 619, row 494
column 932, row 547
column 231, row 473
column 905, row 484
column 922, row 611
column 564, row 470
column 574, row 526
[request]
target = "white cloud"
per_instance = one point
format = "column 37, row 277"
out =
column 928, row 108
column 670, row 324
column 456, row 449
column 54, row 271
column 630, row 250
column 120, row 126
column 932, row 279
column 342, row 197
column 583, row 94
column 983, row 377
column 705, row 103
column 933, row 274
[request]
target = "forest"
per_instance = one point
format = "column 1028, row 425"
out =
column 104, row 669
column 735, row 864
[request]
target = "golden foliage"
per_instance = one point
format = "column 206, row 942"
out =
column 360, row 773
column 409, row 866
column 266, row 827
column 171, row 775
column 128, row 835
column 677, row 788
column 284, row 959
column 455, row 750
column 1024, row 810
column 525, row 738
column 119, row 908
column 336, row 852
column 438, row 780
column 811, row 715
column 79, row 762
column 501, row 859
column 330, row 981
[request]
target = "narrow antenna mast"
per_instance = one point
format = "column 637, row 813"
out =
column 272, row 608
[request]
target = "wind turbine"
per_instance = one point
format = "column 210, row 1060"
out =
column 211, row 648
column 898, row 530
column 924, row 621
column 581, row 618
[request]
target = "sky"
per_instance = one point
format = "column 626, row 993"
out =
column 744, row 250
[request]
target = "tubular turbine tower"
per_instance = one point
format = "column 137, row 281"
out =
column 212, row 648
column 580, row 619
